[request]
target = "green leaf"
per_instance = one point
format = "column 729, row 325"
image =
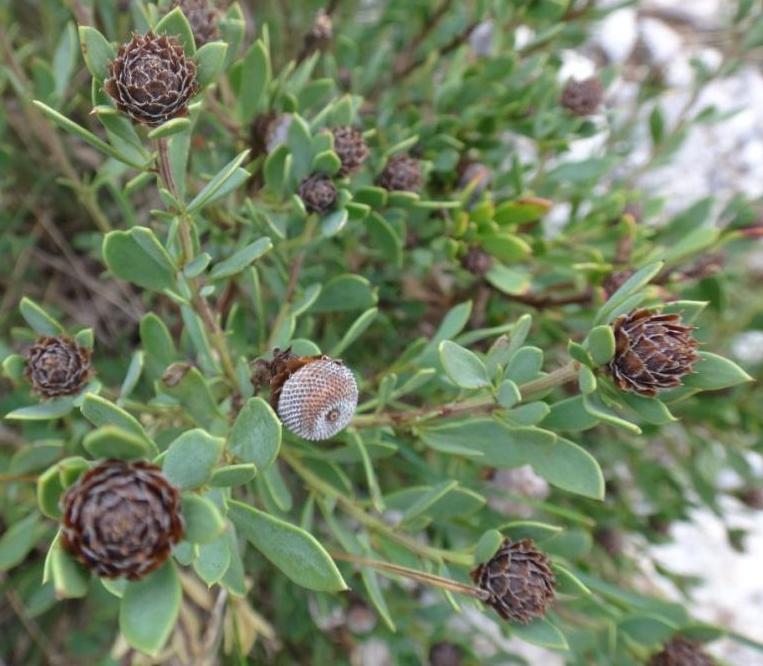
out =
column 628, row 289
column 87, row 136
column 570, row 415
column 334, row 222
column 157, row 341
column 49, row 491
column 194, row 394
column 233, row 475
column 647, row 630
column 138, row 257
column 568, row 583
column 488, row 545
column 39, row 320
column 113, row 442
column 299, row 141
column 173, row 126
column 238, row 261
column 70, row 579
column 175, row 24
column 213, row 560
column 326, row 162
column 512, row 281
column 45, row 411
column 525, row 365
column 19, row 539
column 541, row 632
column 255, row 78
column 101, row 412
column 597, row 409
column 203, row 520
column 133, row 374
column 464, row 367
column 191, row 458
column 569, row 467
column 375, row 594
column 520, row 212
column 34, row 457
column 530, row 529
column 210, row 60
column 508, row 394
column 217, row 182
column 586, row 380
column 345, row 292
column 652, row 410
column 600, row 343
column 150, row 608
column 713, row 372
column 293, row 550
column 426, row 500
column 96, row 50
column 356, row 329
column 276, row 169
column 256, row 434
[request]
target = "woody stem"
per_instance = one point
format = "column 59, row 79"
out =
column 413, row 574
column 562, row 375
column 216, row 334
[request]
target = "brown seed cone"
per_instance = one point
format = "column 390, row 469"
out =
column 477, row 261
column 317, row 193
column 680, row 651
column 314, row 396
column 203, row 19
column 121, row 519
column 151, row 80
column 445, row 654
column 519, row 580
column 652, row 351
column 401, row 173
column 57, row 366
column 582, row 98
column 350, row 147
column 319, row 36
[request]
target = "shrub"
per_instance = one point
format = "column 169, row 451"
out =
column 295, row 310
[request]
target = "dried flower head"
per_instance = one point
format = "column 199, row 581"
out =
column 653, row 351
column 315, row 396
column 317, row 193
column 680, row 651
column 519, row 580
column 151, row 80
column 203, row 19
column 57, row 366
column 350, row 147
column 401, row 173
column 582, row 98
column 121, row 519
column 445, row 654
column 477, row 261
column 319, row 36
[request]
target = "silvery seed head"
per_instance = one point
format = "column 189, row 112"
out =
column 319, row 399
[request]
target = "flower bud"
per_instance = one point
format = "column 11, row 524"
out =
column 519, row 581
column 57, row 366
column 314, row 396
column 121, row 519
column 351, row 149
column 401, row 173
column 652, row 351
column 680, row 651
column 317, row 193
column 203, row 19
column 582, row 98
column 151, row 80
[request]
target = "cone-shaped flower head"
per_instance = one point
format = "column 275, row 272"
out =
column 680, row 651
column 121, row 519
column 582, row 98
column 202, row 16
column 401, row 173
column 57, row 366
column 519, row 581
column 351, row 149
column 151, row 80
column 652, row 351
column 317, row 193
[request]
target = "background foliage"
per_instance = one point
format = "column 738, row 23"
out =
column 178, row 293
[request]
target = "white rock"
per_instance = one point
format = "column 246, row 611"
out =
column 662, row 42
column 616, row 35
